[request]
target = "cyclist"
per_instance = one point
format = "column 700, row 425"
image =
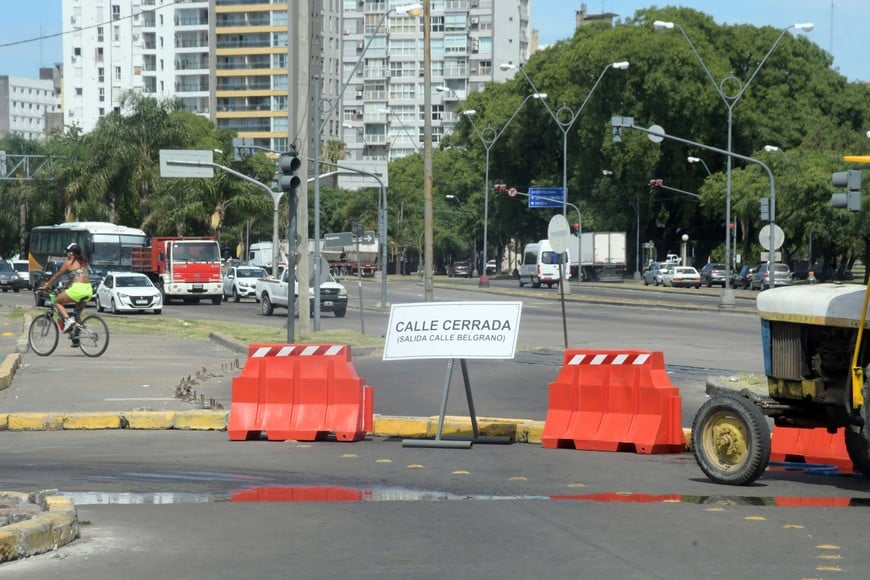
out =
column 79, row 291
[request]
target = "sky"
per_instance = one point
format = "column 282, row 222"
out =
column 842, row 26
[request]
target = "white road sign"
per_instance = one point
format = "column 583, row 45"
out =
column 464, row 330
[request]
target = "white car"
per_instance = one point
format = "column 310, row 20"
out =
column 241, row 281
column 128, row 292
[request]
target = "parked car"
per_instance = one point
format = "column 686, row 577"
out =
column 491, row 267
column 9, row 278
column 461, row 268
column 713, row 273
column 761, row 279
column 682, row 277
column 128, row 292
column 241, row 281
column 51, row 267
column 742, row 277
column 656, row 272
column 23, row 269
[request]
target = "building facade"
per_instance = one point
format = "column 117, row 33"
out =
column 27, row 106
column 228, row 60
column 153, row 47
column 382, row 114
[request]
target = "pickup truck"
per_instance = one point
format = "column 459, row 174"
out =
column 272, row 293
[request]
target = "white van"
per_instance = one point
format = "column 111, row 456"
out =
column 540, row 265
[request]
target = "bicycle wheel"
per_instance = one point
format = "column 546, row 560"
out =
column 43, row 335
column 93, row 335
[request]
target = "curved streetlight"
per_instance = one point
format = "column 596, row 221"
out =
column 691, row 159
column 488, row 136
column 730, row 100
column 565, row 117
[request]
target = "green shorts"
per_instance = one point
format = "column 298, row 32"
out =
column 79, row 291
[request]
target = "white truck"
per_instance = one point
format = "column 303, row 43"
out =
column 272, row 293
column 598, row 256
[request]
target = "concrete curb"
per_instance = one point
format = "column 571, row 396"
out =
column 54, row 524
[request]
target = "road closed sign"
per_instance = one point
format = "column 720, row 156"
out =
column 464, row 330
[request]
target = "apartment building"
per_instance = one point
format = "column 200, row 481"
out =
column 252, row 68
column 27, row 106
column 382, row 114
column 156, row 47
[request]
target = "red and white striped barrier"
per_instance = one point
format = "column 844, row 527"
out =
column 614, row 401
column 299, row 391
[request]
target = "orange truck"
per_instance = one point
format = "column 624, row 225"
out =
column 186, row 268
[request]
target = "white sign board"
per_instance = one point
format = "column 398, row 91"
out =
column 186, row 163
column 558, row 232
column 464, row 330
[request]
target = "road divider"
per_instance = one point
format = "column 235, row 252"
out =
column 302, row 392
column 615, row 400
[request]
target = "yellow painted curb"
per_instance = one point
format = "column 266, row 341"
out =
column 148, row 419
column 86, row 421
column 201, row 420
column 56, row 525
column 7, row 369
column 35, row 421
column 406, row 427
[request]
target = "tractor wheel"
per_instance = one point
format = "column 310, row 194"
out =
column 731, row 440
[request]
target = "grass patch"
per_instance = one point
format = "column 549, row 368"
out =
column 753, row 381
column 201, row 329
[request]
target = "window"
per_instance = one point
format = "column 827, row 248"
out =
column 101, row 74
column 102, row 93
column 100, row 35
column 77, row 51
column 78, row 91
column 116, row 12
column 117, row 73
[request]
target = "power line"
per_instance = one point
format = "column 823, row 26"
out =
column 97, row 25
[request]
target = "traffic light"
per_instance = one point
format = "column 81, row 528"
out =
column 654, row 183
column 851, row 180
column 764, row 208
column 500, row 188
column 288, row 165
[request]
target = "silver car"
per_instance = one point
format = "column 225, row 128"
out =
column 761, row 279
column 655, row 273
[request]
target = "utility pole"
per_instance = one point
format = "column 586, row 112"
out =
column 298, row 123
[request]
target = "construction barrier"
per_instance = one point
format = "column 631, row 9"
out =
column 815, row 446
column 302, row 392
column 614, row 401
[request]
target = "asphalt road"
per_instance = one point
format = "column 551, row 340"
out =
column 195, row 505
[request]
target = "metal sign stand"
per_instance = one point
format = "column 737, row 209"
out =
column 439, row 441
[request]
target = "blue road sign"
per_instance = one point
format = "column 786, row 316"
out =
column 546, row 197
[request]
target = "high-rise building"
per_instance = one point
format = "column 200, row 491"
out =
column 227, row 59
column 251, row 66
column 157, row 49
column 382, row 114
column 26, row 106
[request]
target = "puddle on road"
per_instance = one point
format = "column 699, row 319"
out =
column 331, row 493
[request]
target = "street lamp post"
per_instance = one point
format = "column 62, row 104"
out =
column 730, row 99
column 691, row 159
column 635, row 204
column 488, row 136
column 565, row 117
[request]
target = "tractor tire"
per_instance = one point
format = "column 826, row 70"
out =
column 731, row 440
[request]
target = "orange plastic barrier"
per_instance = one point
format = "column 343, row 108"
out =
column 810, row 446
column 301, row 392
column 614, row 401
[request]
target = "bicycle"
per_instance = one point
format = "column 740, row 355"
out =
column 91, row 333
